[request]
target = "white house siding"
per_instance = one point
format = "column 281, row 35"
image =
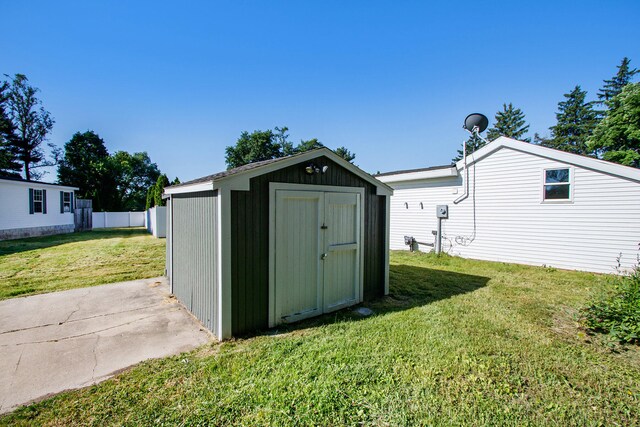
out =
column 14, row 210
column 512, row 222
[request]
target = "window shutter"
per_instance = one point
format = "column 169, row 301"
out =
column 31, row 201
column 71, row 195
column 44, row 201
column 62, row 202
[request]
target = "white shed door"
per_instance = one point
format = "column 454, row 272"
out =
column 317, row 253
column 298, row 290
column 342, row 245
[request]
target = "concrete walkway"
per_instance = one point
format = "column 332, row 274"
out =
column 71, row 339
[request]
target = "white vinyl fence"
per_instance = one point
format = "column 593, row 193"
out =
column 156, row 221
column 117, row 219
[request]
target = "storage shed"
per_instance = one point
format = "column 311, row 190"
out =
column 277, row 241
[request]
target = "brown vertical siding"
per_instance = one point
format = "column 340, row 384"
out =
column 250, row 240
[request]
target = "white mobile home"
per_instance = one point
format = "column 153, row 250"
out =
column 32, row 208
column 522, row 203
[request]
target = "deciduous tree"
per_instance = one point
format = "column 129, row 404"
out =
column 253, row 147
column 265, row 145
column 85, row 164
column 135, row 173
column 617, row 137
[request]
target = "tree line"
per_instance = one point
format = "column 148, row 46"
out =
column 115, row 182
column 272, row 144
column 606, row 128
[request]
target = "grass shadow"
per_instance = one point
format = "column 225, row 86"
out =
column 8, row 247
column 409, row 286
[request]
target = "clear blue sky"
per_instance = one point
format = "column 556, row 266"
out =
column 392, row 81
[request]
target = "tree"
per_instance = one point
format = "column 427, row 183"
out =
column 162, row 182
column 32, row 123
column 617, row 137
column 85, row 164
column 176, row 181
column 253, row 147
column 473, row 143
column 135, row 173
column 345, row 154
column 9, row 165
column 614, row 86
column 151, row 192
column 576, row 120
column 311, row 144
column 265, row 145
column 509, row 122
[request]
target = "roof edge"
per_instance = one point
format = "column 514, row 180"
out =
column 586, row 162
column 240, row 180
column 31, row 182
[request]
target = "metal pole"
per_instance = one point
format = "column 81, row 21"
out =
column 439, row 237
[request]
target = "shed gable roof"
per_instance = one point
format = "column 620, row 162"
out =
column 238, row 178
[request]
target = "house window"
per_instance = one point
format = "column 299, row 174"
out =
column 37, row 201
column 66, row 201
column 557, row 184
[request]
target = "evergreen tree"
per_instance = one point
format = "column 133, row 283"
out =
column 9, row 165
column 33, row 123
column 473, row 144
column 617, row 136
column 509, row 122
column 576, row 120
column 311, row 144
column 345, row 154
column 151, row 192
column 614, row 86
column 162, row 182
column 175, row 181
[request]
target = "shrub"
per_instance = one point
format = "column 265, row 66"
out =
column 617, row 312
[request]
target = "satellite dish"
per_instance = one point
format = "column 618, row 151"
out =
column 476, row 122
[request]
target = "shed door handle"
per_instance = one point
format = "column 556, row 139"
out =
column 324, row 255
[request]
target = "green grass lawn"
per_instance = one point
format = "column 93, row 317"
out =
column 65, row 261
column 458, row 342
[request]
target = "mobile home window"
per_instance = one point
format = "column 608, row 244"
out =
column 557, row 185
column 37, row 201
column 66, row 201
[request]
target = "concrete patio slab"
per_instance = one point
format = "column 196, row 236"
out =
column 71, row 339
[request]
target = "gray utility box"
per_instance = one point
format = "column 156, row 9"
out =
column 442, row 211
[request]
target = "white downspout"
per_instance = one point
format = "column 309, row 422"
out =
column 465, row 175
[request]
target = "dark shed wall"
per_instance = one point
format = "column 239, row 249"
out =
column 194, row 219
column 250, row 240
